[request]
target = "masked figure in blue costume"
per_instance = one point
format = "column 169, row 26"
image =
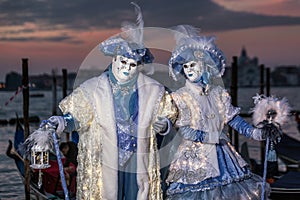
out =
column 205, row 165
column 117, row 116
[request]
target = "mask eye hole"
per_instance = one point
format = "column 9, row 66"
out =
column 132, row 65
column 123, row 62
column 193, row 64
column 185, row 66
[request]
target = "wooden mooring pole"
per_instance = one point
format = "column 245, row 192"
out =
column 25, row 84
column 64, row 90
column 268, row 82
column 234, row 97
column 65, row 82
column 262, row 85
column 54, row 94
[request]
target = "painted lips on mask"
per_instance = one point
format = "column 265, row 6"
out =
column 124, row 69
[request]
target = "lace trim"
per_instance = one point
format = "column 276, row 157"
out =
column 191, row 164
column 204, row 187
column 120, row 88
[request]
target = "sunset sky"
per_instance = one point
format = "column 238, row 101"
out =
column 57, row 34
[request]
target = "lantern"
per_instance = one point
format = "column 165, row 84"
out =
column 39, row 158
column 38, row 146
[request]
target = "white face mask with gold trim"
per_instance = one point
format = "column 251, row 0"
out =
column 124, row 69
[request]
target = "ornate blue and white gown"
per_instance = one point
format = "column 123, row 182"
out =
column 205, row 165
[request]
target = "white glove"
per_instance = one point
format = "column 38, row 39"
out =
column 162, row 126
column 55, row 122
column 258, row 135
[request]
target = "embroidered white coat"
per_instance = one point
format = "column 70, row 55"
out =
column 91, row 104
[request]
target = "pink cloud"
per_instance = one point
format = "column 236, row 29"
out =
column 272, row 45
column 266, row 7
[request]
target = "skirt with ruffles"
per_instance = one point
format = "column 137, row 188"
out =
column 234, row 182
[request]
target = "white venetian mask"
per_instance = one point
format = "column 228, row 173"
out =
column 124, row 69
column 193, row 70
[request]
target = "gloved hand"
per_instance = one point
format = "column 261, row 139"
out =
column 257, row 134
column 189, row 133
column 57, row 123
column 161, row 126
column 272, row 131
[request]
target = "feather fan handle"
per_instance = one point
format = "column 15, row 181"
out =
column 264, row 104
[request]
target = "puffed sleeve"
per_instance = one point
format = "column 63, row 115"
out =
column 79, row 107
column 230, row 110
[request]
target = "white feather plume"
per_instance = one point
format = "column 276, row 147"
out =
column 134, row 32
column 185, row 31
column 40, row 139
column 263, row 104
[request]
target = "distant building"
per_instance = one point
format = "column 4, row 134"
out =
column 248, row 70
column 36, row 82
column 13, row 80
column 285, row 76
column 41, row 82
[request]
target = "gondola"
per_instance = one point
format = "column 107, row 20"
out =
column 51, row 184
column 285, row 185
column 37, row 95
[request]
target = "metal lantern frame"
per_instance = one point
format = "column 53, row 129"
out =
column 39, row 158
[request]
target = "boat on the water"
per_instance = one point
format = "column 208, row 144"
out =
column 51, row 187
column 285, row 184
column 37, row 95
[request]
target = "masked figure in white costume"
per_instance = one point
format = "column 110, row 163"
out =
column 205, row 165
column 117, row 116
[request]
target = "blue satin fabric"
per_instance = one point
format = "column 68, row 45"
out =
column 127, row 182
column 230, row 172
column 127, row 140
column 71, row 124
column 126, row 114
column 192, row 134
column 240, row 125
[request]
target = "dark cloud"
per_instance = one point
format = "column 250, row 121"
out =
column 59, row 38
column 84, row 14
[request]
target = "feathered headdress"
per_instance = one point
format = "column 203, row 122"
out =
column 270, row 108
column 192, row 47
column 130, row 43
